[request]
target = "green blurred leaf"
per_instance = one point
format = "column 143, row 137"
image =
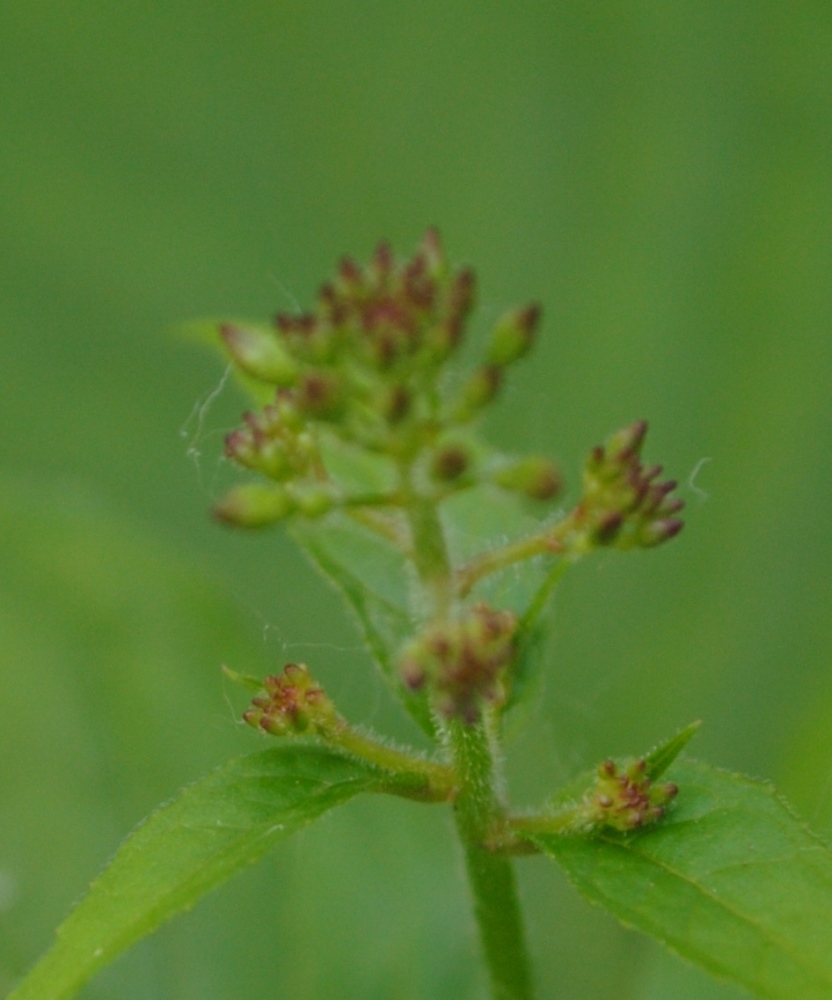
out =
column 485, row 518
column 731, row 880
column 218, row 826
column 372, row 577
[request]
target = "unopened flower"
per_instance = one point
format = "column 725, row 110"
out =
column 533, row 476
column 462, row 660
column 624, row 504
column 292, row 703
column 625, row 798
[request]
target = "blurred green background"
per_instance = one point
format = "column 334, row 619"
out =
column 658, row 174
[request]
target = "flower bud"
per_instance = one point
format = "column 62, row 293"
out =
column 626, row 442
column 311, row 499
column 450, row 461
column 513, row 335
column 293, row 703
column 381, row 265
column 419, row 289
column 479, row 391
column 241, row 447
column 657, row 532
column 254, row 505
column 534, row 476
column 259, row 354
column 623, row 504
column 459, row 304
column 320, row 395
column 608, row 528
column 350, row 280
column 624, row 798
column 462, row 660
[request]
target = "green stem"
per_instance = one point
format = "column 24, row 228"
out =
column 430, row 555
column 570, row 819
column 433, row 782
column 490, row 562
column 478, row 812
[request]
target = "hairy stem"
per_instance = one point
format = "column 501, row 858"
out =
column 430, row 556
column 433, row 782
column 490, row 562
column 477, row 807
column 478, row 811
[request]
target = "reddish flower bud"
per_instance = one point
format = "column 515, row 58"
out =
column 293, row 703
column 626, row 442
column 480, row 389
column 624, row 798
column 320, row 395
column 381, row 266
column 661, row 531
column 462, row 660
column 608, row 528
column 623, row 504
column 513, row 335
column 450, row 461
column 460, row 302
column 535, row 477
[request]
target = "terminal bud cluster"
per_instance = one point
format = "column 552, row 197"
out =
column 365, row 367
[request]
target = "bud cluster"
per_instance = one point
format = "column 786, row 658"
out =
column 623, row 504
column 364, row 366
column 463, row 660
column 292, row 703
column 625, row 799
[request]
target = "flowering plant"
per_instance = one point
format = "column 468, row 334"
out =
column 366, row 446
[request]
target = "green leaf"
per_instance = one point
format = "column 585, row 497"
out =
column 730, row 880
column 372, row 577
column 661, row 757
column 215, row 828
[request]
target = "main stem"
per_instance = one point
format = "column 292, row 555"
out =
column 477, row 808
column 477, row 811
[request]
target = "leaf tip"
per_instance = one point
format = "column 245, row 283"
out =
column 661, row 757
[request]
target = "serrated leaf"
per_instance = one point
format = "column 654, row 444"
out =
column 730, row 880
column 212, row 830
column 372, row 577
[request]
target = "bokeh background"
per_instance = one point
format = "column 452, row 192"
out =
column 658, row 174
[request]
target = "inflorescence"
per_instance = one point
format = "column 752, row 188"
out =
column 364, row 375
